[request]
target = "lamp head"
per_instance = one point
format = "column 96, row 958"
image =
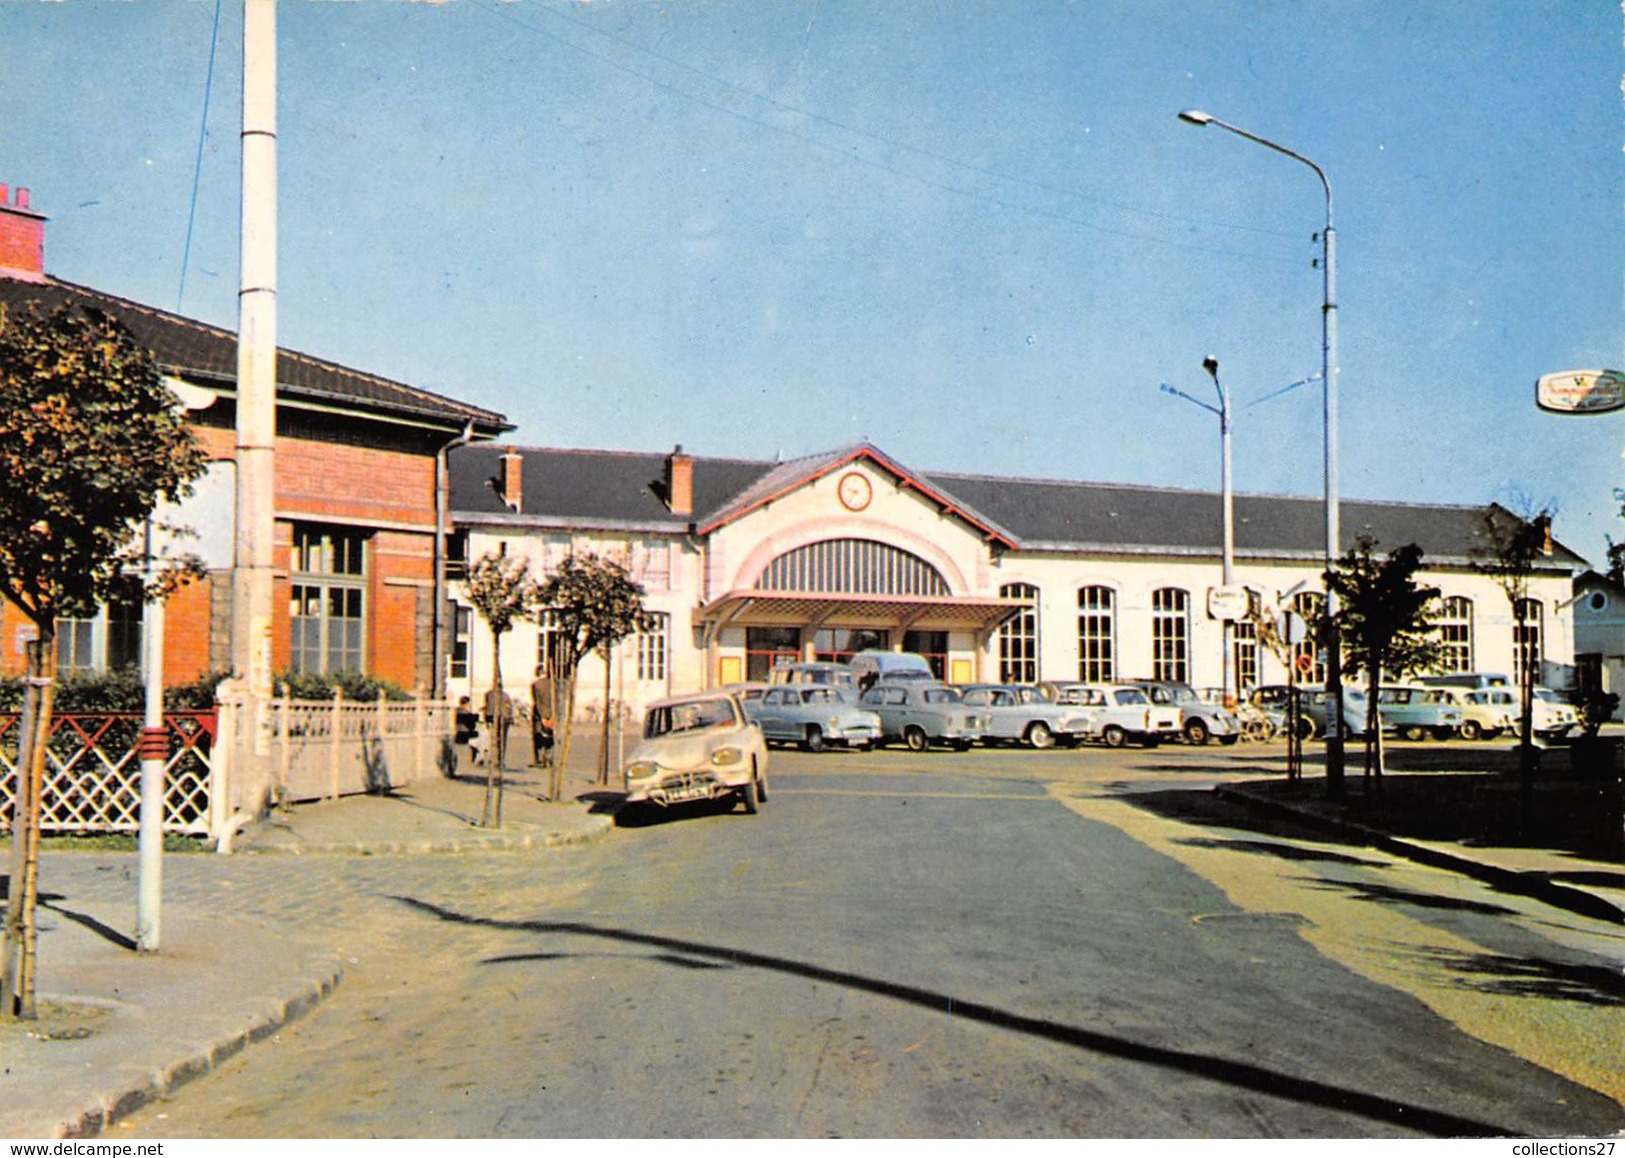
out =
column 1195, row 117
column 1211, row 365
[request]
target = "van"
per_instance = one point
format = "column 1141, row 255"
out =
column 870, row 666
column 832, row 674
column 1467, row 679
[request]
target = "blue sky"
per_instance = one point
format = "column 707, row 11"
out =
column 973, row 233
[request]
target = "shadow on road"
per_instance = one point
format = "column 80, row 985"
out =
column 1532, row 977
column 1239, row 1074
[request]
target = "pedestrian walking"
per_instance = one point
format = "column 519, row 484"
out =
column 543, row 714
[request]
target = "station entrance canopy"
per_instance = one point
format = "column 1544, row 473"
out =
column 896, row 613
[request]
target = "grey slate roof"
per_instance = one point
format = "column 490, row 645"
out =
column 615, row 488
column 193, row 349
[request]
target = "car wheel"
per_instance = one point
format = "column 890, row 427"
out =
column 1039, row 735
column 1196, row 732
column 1306, row 728
column 916, row 739
column 1114, row 736
column 1259, row 731
column 814, row 741
column 1414, row 732
column 1470, row 730
column 748, row 795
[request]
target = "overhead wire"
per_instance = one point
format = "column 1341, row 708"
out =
column 197, row 167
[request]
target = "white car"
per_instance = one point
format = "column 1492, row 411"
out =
column 1485, row 712
column 1019, row 715
column 1553, row 716
column 815, row 716
column 1120, row 712
column 698, row 747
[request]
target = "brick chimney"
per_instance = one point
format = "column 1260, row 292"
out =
column 680, row 483
column 22, row 237
column 511, row 487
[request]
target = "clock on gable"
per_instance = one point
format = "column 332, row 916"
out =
column 855, row 491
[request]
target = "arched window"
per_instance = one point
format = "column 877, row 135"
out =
column 852, row 567
column 1097, row 635
column 1528, row 654
column 1018, row 637
column 1170, row 634
column 1456, row 633
column 1308, row 604
column 653, row 629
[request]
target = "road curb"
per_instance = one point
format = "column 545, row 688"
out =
column 594, row 828
column 142, row 1090
column 1506, row 880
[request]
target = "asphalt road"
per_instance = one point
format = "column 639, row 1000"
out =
column 942, row 945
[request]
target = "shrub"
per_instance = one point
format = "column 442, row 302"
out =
column 355, row 686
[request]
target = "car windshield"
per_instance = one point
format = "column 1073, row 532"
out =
column 1549, row 696
column 1182, row 695
column 1130, row 696
column 941, row 696
column 687, row 717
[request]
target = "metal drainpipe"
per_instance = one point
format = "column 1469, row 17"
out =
column 437, row 674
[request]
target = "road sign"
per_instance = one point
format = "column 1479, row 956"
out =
column 1228, row 602
column 1306, row 663
column 1292, row 627
column 1581, row 392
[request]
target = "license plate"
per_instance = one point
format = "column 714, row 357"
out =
column 692, row 792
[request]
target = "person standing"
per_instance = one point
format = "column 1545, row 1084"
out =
column 543, row 714
column 498, row 715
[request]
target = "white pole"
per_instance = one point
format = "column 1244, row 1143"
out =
column 153, row 749
column 256, row 356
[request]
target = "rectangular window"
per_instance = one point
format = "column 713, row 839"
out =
column 1097, row 634
column 1018, row 637
column 1246, row 655
column 106, row 641
column 548, row 642
column 327, row 601
column 1170, row 635
column 1528, row 654
column 1456, row 634
column 652, row 632
column 462, row 624
column 75, row 645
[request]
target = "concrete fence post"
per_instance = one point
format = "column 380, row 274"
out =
column 334, row 737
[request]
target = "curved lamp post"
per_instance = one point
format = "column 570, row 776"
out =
column 1328, row 238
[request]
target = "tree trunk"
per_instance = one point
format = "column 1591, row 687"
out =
column 567, row 720
column 603, row 729
column 17, row 972
column 1373, row 735
column 492, row 815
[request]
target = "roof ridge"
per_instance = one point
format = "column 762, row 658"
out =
column 223, row 333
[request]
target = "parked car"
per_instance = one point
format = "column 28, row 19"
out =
column 1274, row 702
column 698, row 747
column 747, row 693
column 1485, row 712
column 1467, row 679
column 833, row 674
column 1199, row 720
column 1415, row 712
column 1121, row 712
column 815, row 716
column 1020, row 715
column 1314, row 707
column 872, row 665
column 1553, row 717
column 921, row 714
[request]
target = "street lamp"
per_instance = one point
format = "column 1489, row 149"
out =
column 1211, row 365
column 1328, row 238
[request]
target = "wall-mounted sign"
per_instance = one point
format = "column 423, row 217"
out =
column 1228, row 602
column 1581, row 391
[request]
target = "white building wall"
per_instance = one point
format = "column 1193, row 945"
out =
column 680, row 576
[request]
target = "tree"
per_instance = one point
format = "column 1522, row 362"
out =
column 91, row 440
column 591, row 603
column 1384, row 618
column 501, row 590
column 1511, row 546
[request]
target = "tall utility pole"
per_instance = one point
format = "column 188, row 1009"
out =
column 252, row 561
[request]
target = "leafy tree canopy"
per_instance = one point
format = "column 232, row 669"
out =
column 90, row 441
column 593, row 603
column 1384, row 616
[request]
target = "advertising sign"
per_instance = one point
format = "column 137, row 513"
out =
column 1581, row 392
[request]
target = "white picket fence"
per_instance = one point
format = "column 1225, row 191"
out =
column 231, row 763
